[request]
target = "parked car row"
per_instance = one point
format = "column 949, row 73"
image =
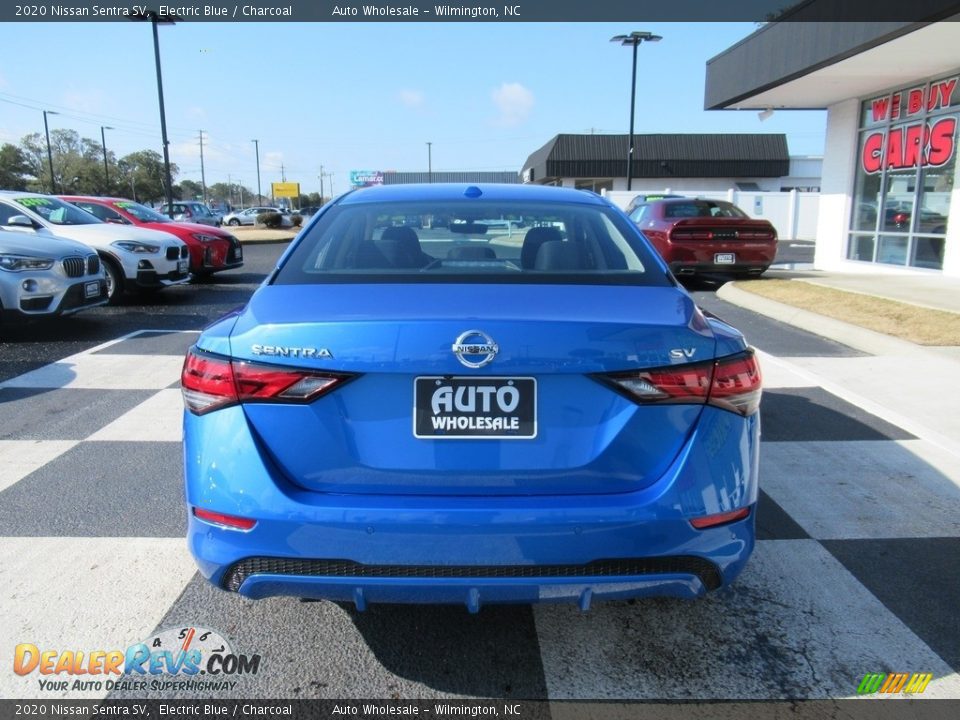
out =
column 211, row 249
column 249, row 216
column 59, row 255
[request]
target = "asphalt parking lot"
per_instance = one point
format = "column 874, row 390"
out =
column 857, row 567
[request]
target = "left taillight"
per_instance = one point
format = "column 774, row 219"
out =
column 733, row 383
column 211, row 382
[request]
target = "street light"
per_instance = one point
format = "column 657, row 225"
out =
column 203, row 175
column 429, row 162
column 106, row 169
column 155, row 19
column 256, row 144
column 633, row 40
column 46, row 129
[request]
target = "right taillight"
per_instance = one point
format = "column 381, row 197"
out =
column 211, row 382
column 732, row 383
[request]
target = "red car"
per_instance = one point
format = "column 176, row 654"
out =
column 707, row 236
column 211, row 249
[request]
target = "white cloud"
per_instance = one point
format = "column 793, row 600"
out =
column 413, row 99
column 514, row 102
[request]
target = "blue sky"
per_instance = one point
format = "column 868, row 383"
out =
column 365, row 95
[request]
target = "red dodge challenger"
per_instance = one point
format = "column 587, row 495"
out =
column 211, row 249
column 698, row 236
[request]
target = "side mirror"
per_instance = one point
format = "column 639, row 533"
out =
column 20, row 221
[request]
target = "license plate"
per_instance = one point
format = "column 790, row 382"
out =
column 447, row 408
column 91, row 289
column 724, row 258
column 182, row 265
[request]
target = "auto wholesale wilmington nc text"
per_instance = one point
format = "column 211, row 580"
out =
column 490, row 709
column 411, row 11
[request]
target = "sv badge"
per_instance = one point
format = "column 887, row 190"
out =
column 682, row 353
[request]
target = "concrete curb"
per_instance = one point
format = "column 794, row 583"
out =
column 868, row 341
column 263, row 241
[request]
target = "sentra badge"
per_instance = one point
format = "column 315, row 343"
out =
column 284, row 351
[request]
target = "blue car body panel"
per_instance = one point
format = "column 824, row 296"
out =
column 350, row 505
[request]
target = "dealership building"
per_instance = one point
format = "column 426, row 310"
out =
column 685, row 162
column 889, row 201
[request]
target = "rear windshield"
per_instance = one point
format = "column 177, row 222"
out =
column 470, row 241
column 702, row 208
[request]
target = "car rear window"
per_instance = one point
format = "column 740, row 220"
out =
column 702, row 208
column 471, row 242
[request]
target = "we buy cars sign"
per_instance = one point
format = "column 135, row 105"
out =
column 927, row 143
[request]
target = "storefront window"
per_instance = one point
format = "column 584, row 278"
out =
column 905, row 174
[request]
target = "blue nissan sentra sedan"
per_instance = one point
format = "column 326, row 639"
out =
column 471, row 394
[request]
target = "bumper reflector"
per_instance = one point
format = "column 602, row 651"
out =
column 709, row 521
column 229, row 521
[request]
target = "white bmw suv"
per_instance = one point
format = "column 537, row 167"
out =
column 133, row 258
column 47, row 276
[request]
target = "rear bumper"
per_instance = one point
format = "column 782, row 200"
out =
column 702, row 256
column 470, row 550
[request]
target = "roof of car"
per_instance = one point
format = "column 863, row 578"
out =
column 21, row 193
column 95, row 198
column 458, row 191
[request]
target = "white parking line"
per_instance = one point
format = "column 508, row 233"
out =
column 83, row 594
column 157, row 419
column 19, row 458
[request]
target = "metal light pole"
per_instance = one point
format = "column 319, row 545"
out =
column 203, row 176
column 46, row 129
column 633, row 40
column 429, row 162
column 256, row 144
column 157, row 19
column 106, row 168
column 321, row 184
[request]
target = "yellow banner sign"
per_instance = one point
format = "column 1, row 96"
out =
column 286, row 189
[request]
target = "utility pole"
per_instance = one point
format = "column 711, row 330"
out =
column 321, row 184
column 283, row 176
column 203, row 176
column 46, row 129
column 230, row 188
column 106, row 169
column 256, row 144
column 429, row 162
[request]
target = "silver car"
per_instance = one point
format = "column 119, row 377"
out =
column 47, row 275
column 248, row 216
column 192, row 211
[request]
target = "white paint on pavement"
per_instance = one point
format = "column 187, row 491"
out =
column 776, row 375
column 865, row 489
column 795, row 624
column 157, row 419
column 19, row 458
column 105, row 372
column 83, row 594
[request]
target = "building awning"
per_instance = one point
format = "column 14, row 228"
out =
column 695, row 155
column 803, row 65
